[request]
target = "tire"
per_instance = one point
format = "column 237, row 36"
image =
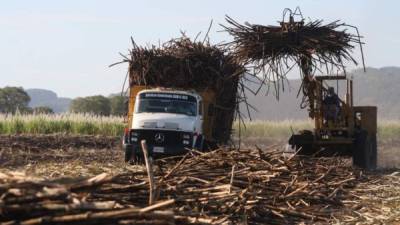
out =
column 306, row 149
column 209, row 145
column 128, row 152
column 138, row 159
column 302, row 142
column 199, row 145
column 365, row 150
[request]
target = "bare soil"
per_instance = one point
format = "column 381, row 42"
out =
column 60, row 155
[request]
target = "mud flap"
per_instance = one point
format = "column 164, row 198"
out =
column 365, row 150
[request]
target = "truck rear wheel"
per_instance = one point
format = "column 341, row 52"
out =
column 365, row 150
column 199, row 144
column 209, row 145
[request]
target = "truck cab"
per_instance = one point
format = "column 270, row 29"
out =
column 170, row 121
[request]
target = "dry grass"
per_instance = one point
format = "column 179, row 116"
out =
column 378, row 200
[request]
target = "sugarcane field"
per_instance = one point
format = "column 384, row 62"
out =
column 258, row 112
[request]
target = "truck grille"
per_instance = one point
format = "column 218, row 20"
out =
column 161, row 137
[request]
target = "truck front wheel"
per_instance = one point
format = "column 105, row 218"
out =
column 128, row 152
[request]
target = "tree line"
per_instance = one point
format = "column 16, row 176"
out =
column 15, row 99
column 100, row 105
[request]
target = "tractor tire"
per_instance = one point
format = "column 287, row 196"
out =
column 365, row 150
column 302, row 143
column 306, row 150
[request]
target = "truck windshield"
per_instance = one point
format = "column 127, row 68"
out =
column 167, row 103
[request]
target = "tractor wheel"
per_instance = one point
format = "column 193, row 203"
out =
column 365, row 150
column 306, row 149
column 303, row 142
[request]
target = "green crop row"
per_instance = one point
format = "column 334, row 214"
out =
column 387, row 129
column 77, row 124
column 86, row 124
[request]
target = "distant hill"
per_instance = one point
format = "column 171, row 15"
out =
column 42, row 97
column 378, row 87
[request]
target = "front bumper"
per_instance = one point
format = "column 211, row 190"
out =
column 157, row 151
column 173, row 142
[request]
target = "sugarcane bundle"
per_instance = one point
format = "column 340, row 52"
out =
column 269, row 45
column 272, row 51
column 186, row 64
column 181, row 63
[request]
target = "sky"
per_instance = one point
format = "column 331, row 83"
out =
column 67, row 46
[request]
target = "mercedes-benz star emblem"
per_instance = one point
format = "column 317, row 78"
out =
column 159, row 138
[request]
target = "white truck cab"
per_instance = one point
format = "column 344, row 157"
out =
column 171, row 121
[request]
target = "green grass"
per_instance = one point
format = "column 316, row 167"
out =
column 271, row 129
column 77, row 124
column 389, row 129
column 81, row 124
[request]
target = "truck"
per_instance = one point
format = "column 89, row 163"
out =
column 171, row 120
column 181, row 95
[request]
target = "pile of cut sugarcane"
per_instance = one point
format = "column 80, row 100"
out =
column 272, row 51
column 225, row 185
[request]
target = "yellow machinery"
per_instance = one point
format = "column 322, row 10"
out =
column 352, row 133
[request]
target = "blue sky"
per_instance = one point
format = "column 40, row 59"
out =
column 66, row 46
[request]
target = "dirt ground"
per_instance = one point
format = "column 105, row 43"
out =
column 388, row 154
column 388, row 150
column 54, row 156
column 67, row 157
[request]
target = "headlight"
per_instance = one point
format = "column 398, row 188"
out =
column 186, row 142
column 134, row 139
column 186, row 136
column 134, row 134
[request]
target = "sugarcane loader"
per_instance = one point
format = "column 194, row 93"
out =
column 350, row 132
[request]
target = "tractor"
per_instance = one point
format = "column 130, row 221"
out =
column 351, row 132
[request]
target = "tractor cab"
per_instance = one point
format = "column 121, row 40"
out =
column 332, row 114
column 340, row 127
